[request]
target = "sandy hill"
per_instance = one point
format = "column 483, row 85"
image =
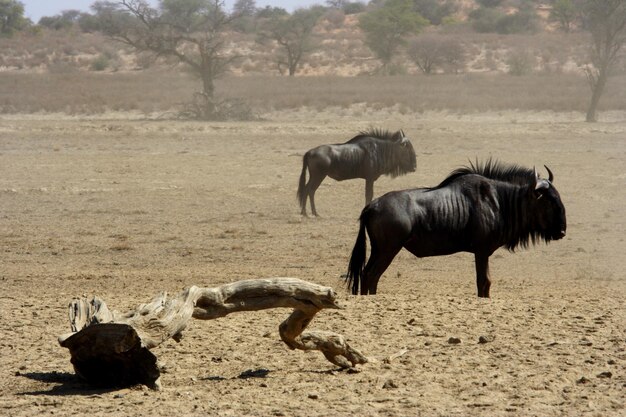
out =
column 339, row 50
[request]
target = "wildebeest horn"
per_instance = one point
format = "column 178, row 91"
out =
column 402, row 131
column 550, row 175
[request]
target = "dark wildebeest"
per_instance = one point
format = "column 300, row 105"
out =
column 476, row 209
column 368, row 155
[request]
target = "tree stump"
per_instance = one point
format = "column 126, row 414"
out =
column 111, row 349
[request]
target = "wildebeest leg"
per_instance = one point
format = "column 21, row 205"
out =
column 312, row 186
column 482, row 274
column 375, row 267
column 369, row 190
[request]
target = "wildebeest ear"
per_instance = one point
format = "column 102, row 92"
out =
column 397, row 136
column 540, row 186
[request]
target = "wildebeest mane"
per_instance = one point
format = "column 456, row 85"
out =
column 511, row 181
column 495, row 170
column 384, row 151
column 375, row 132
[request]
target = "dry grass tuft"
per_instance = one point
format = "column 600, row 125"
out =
column 121, row 246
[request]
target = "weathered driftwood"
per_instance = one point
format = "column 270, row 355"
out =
column 108, row 348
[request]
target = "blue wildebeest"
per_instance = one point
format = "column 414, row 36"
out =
column 476, row 209
column 368, row 155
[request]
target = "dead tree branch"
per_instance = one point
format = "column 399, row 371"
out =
column 108, row 348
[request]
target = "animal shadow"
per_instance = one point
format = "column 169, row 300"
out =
column 247, row 374
column 66, row 384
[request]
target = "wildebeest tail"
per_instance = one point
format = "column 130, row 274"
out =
column 357, row 260
column 301, row 184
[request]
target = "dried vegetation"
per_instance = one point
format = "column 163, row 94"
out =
column 84, row 73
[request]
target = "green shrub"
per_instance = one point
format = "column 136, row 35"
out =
column 485, row 20
column 519, row 22
column 520, row 63
column 100, row 63
column 488, row 20
column 353, row 8
column 489, row 3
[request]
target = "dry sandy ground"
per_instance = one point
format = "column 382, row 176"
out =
column 126, row 209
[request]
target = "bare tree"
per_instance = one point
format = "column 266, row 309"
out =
column 607, row 23
column 191, row 31
column 430, row 52
column 293, row 34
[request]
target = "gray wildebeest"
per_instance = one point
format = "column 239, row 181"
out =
column 476, row 209
column 368, row 155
